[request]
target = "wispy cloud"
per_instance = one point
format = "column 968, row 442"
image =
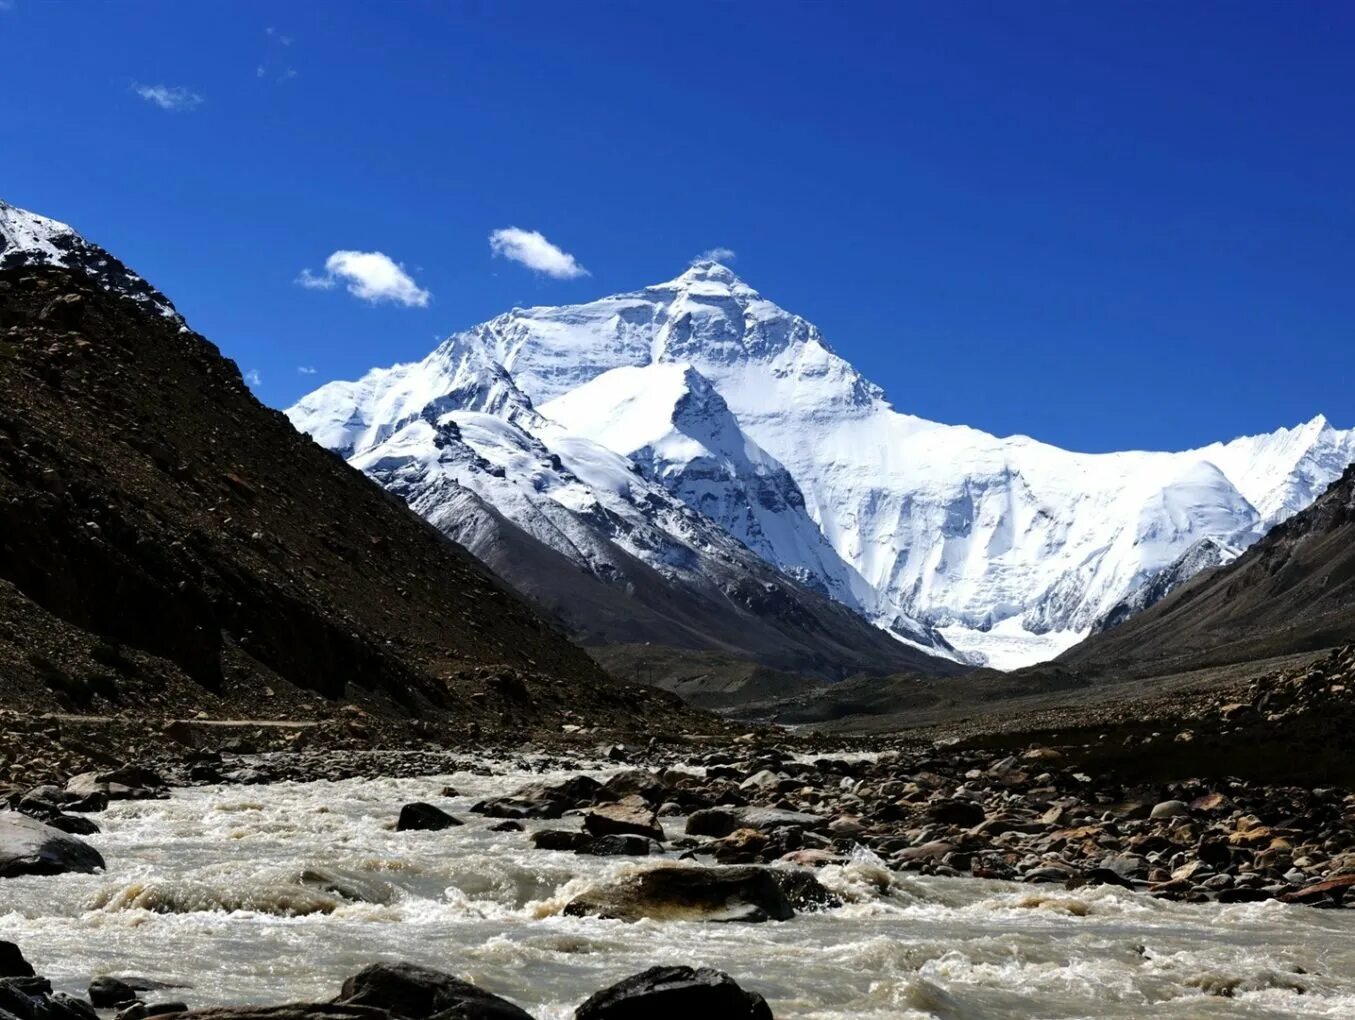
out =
column 6, row 5
column 306, row 369
column 253, row 379
column 168, row 97
column 531, row 249
column 372, row 276
column 273, row 33
column 717, row 254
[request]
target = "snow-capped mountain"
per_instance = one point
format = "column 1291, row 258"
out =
column 714, row 398
column 29, row 239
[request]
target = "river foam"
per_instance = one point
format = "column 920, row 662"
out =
column 277, row 893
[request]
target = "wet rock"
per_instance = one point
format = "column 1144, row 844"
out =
column 630, row 815
column 296, row 1011
column 28, row 847
column 60, row 1006
column 560, row 839
column 623, row 845
column 716, row 822
column 127, row 783
column 354, row 886
column 697, row 894
column 508, row 826
column 108, row 992
column 74, row 825
column 418, row 993
column 661, row 993
column 804, row 891
column 12, row 962
column 1333, row 891
column 421, row 817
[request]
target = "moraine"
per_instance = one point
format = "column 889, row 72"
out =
column 200, row 888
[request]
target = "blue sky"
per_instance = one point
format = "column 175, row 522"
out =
column 1106, row 226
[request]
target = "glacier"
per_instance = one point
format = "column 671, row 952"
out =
column 1010, row 549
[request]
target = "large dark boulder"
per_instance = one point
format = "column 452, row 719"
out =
column 688, row 894
column 675, row 993
column 12, row 962
column 28, row 847
column 418, row 993
column 421, row 817
column 107, row 992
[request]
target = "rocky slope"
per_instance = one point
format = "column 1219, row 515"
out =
column 167, row 543
column 971, row 546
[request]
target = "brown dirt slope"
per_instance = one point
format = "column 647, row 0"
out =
column 167, row 542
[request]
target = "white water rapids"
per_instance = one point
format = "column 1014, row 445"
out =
column 204, row 890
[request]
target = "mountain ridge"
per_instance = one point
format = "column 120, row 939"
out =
column 981, row 548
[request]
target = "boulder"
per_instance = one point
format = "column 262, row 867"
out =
column 560, row 839
column 669, row 993
column 625, row 845
column 130, row 782
column 421, row 817
column 107, row 992
column 717, row 822
column 688, row 894
column 28, row 847
column 418, row 993
column 74, row 825
column 60, row 1006
column 12, row 962
column 629, row 815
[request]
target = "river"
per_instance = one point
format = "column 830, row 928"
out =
column 205, row 889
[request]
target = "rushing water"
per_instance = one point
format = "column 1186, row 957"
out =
column 205, row 890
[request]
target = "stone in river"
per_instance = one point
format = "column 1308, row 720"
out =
column 628, row 815
column 28, row 847
column 418, row 993
column 12, row 962
column 688, row 894
column 661, row 993
column 421, row 817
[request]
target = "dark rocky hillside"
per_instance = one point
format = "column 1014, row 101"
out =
column 167, row 543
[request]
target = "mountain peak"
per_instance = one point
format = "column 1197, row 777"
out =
column 27, row 239
column 708, row 278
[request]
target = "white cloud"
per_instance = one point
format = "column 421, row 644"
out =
column 288, row 74
column 717, row 254
column 531, row 249
column 260, row 71
column 369, row 275
column 168, row 97
column 253, row 378
column 306, row 369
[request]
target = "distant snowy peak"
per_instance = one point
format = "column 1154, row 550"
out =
column 1011, row 548
column 27, row 239
column 354, row 417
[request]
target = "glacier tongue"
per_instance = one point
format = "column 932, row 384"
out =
column 728, row 404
